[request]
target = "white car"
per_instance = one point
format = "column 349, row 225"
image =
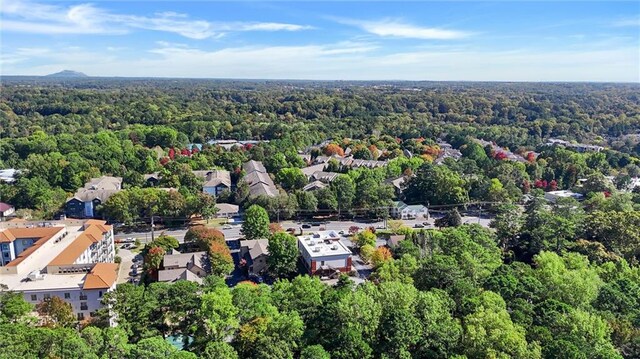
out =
column 227, row 226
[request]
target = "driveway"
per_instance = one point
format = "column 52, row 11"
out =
column 125, row 265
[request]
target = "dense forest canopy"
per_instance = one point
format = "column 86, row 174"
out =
column 512, row 114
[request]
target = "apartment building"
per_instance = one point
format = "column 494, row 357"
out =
column 73, row 262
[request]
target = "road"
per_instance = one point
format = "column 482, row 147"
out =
column 234, row 231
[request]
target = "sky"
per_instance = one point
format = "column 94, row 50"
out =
column 327, row 40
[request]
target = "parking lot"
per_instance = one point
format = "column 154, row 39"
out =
column 127, row 257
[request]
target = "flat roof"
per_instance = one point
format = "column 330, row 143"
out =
column 323, row 244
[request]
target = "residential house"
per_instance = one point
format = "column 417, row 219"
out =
column 398, row 184
column 326, row 177
column 254, row 254
column 394, row 240
column 579, row 147
column 6, row 210
column 258, row 180
column 227, row 210
column 314, row 186
column 553, row 196
column 309, row 171
column 401, row 210
column 323, row 253
column 184, row 266
column 215, row 181
column 85, row 201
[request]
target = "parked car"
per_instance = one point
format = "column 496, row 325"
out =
column 418, row 225
column 306, row 226
column 341, row 232
column 134, row 272
column 227, row 226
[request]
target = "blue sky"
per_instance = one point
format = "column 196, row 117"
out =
column 354, row 40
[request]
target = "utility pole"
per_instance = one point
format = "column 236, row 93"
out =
column 152, row 223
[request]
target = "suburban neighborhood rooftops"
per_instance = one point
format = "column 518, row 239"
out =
column 323, row 244
column 314, row 186
column 253, row 166
column 183, row 260
column 227, row 208
column 325, row 176
column 174, row 275
column 104, row 183
column 309, row 171
column 214, row 178
column 256, row 247
column 260, row 184
column 86, row 195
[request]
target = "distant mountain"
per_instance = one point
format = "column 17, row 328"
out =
column 67, row 73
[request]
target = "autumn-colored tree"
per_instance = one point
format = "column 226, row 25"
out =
column 500, row 156
column 212, row 241
column 531, row 157
column 153, row 259
column 374, row 151
column 353, row 230
column 56, row 313
column 380, row 256
column 275, row 228
column 333, row 149
column 172, row 153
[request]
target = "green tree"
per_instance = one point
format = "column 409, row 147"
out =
column 153, row 348
column 291, row 178
column 436, row 185
column 283, row 254
column 344, row 188
column 256, row 223
column 314, row 352
column 219, row 350
column 13, row 307
column 218, row 315
column 489, row 332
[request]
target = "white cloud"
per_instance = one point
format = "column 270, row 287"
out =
column 346, row 61
column 398, row 29
column 627, row 22
column 37, row 18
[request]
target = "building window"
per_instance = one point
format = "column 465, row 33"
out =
column 47, row 296
column 80, row 316
column 83, row 297
column 34, row 297
column 83, row 305
column 100, row 294
column 92, row 314
column 67, row 296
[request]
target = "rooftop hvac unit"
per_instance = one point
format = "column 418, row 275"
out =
column 334, row 247
column 35, row 275
column 316, row 249
column 311, row 243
